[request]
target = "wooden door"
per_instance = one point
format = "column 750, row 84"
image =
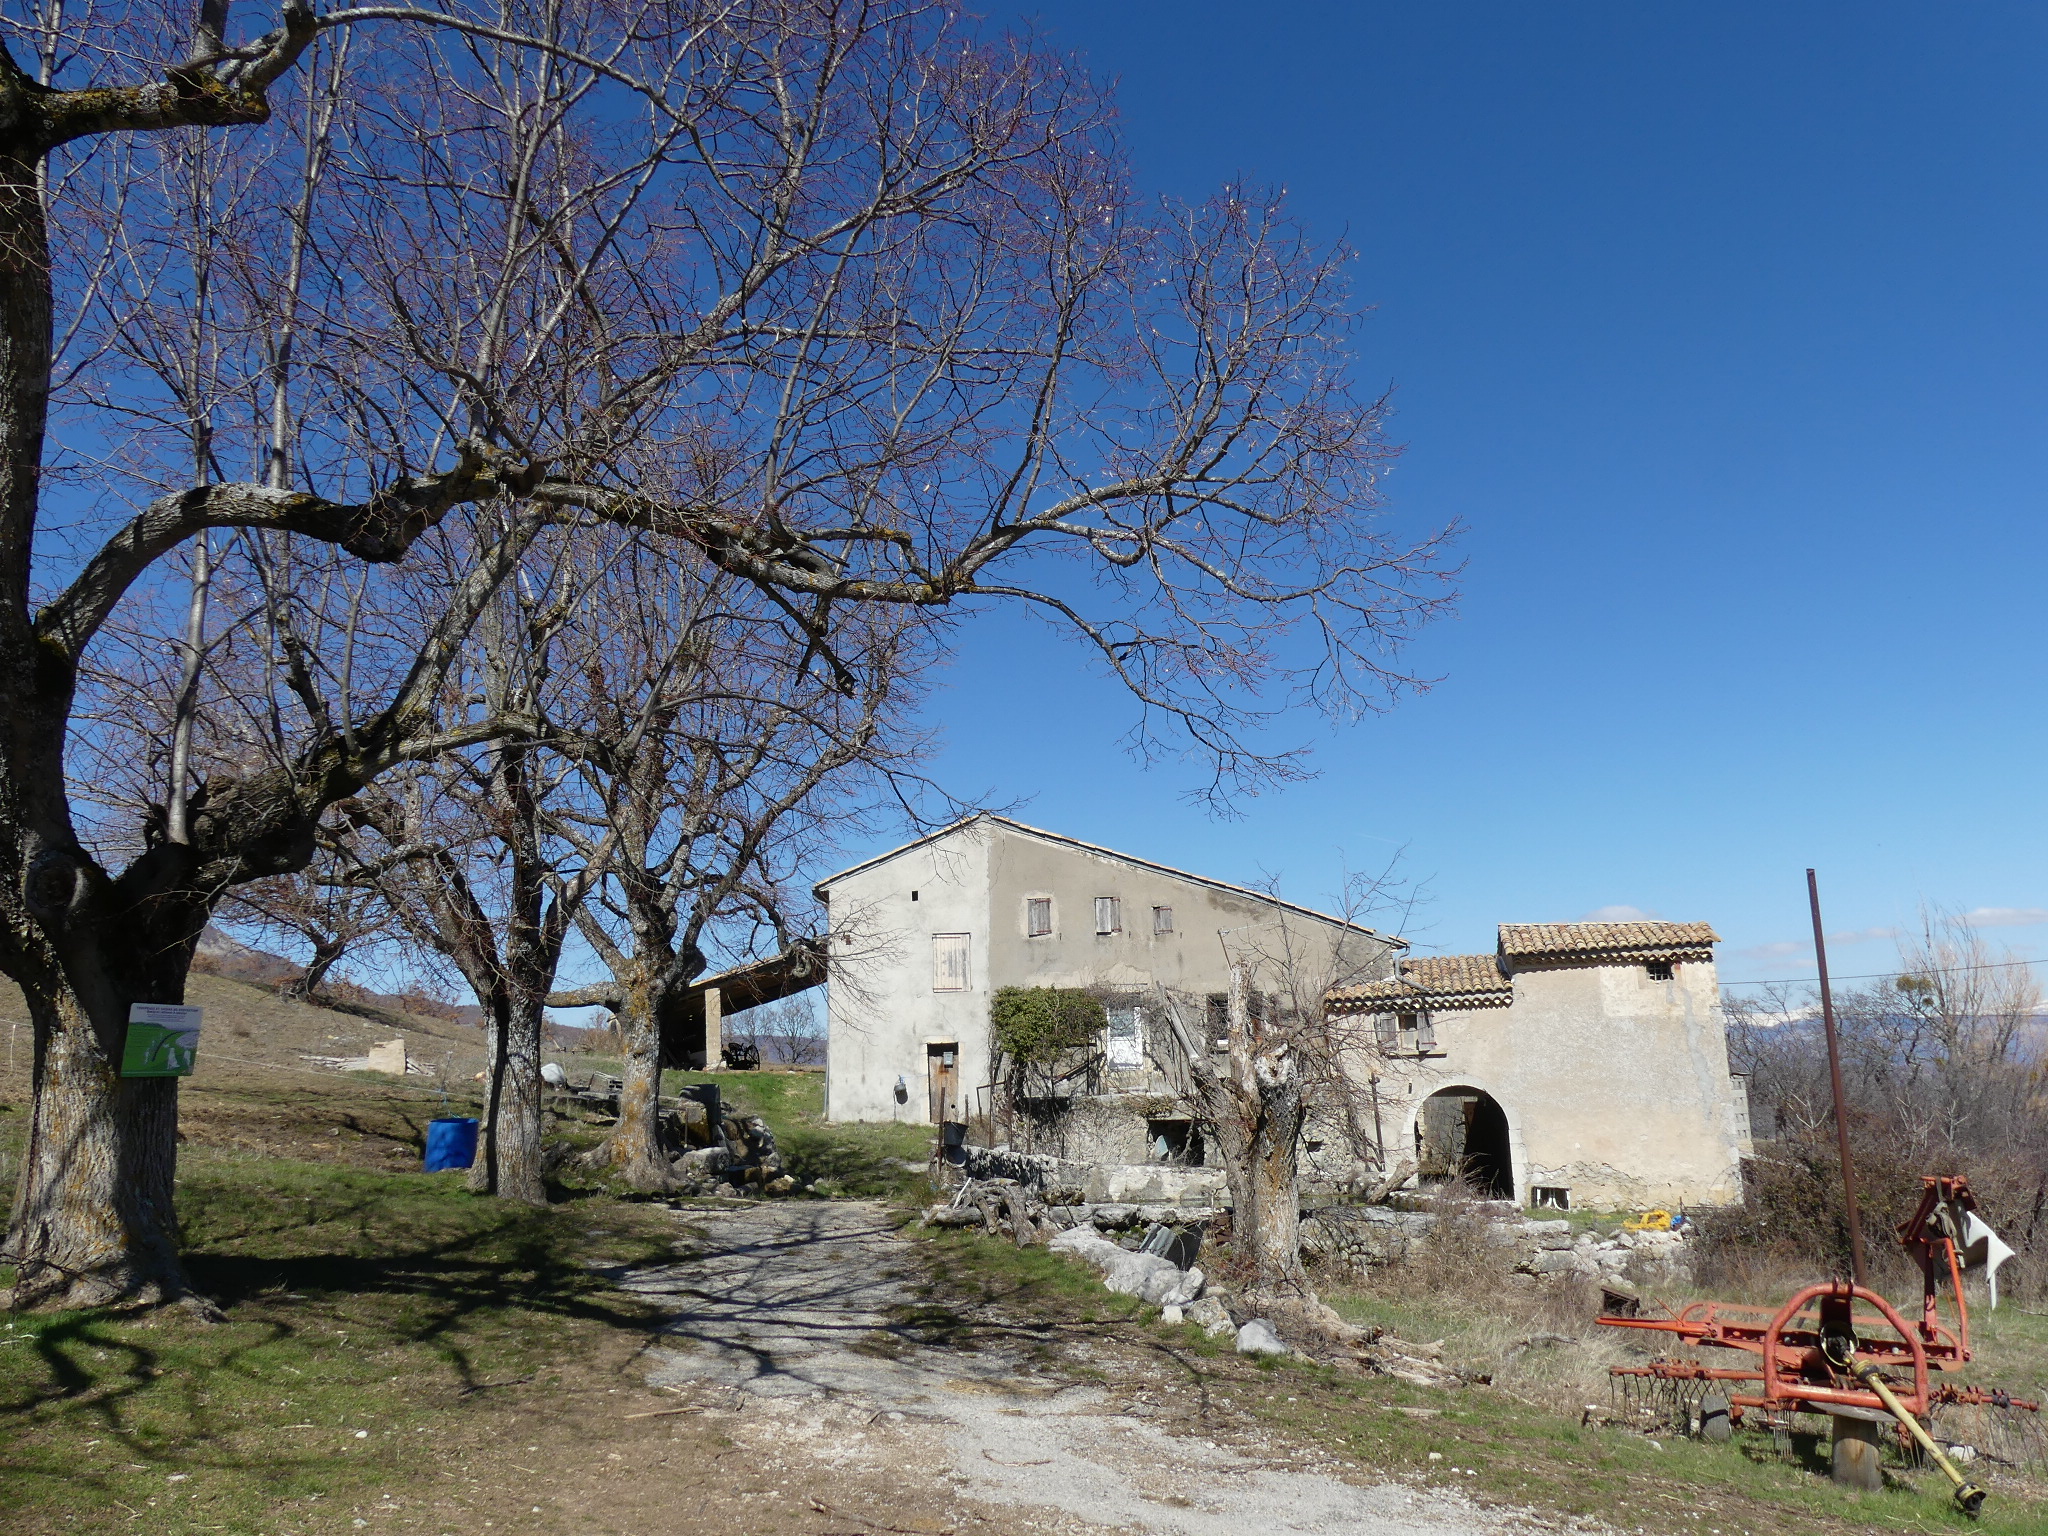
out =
column 942, row 1074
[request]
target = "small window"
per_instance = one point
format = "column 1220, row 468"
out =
column 949, row 962
column 1108, row 915
column 1162, row 919
column 1038, row 916
column 913, row 895
column 1660, row 970
column 1548, row 1197
column 1386, row 1030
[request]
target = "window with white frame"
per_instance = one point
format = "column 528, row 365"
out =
column 1126, row 1038
column 1038, row 916
column 949, row 962
column 1109, row 916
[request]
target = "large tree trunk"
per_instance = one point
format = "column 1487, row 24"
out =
column 1253, row 1111
column 483, row 1173
column 1260, row 1143
column 636, row 1148
column 516, row 1144
column 94, row 1221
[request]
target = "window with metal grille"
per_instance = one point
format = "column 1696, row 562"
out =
column 1038, row 916
column 1108, row 915
column 1162, row 919
column 1660, row 970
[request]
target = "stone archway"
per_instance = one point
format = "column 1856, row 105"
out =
column 1465, row 1130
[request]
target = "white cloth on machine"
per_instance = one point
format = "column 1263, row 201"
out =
column 1983, row 1246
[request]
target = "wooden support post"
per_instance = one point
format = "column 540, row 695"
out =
column 714, row 1030
column 1856, row 1460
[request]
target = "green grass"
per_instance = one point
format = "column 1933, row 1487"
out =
column 369, row 1317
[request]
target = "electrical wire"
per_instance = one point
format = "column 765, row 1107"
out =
column 1924, row 970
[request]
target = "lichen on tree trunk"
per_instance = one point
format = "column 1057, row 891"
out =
column 94, row 1220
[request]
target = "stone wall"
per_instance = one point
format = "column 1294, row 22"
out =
column 1360, row 1237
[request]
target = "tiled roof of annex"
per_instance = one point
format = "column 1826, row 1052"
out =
column 1486, row 981
column 1522, row 943
column 1433, row 982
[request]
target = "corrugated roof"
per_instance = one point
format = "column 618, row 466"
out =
column 1607, row 941
column 1433, row 982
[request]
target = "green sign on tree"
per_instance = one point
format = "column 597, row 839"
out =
column 163, row 1040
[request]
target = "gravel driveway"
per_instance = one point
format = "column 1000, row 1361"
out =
column 784, row 1325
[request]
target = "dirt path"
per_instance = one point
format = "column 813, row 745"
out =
column 786, row 1329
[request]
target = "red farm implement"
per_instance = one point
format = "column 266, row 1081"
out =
column 1842, row 1350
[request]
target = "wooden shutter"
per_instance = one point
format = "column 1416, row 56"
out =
column 1106, row 917
column 1038, row 916
column 949, row 962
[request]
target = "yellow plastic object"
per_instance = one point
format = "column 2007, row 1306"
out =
column 1650, row 1221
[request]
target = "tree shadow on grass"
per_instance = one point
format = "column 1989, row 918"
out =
column 318, row 1292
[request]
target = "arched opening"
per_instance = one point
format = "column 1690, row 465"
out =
column 1464, row 1130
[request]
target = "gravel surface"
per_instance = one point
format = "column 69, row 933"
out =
column 783, row 1323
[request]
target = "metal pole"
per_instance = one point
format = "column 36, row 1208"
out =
column 1827, row 1018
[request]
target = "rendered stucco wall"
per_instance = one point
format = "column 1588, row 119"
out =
column 882, row 1012
column 1615, row 1086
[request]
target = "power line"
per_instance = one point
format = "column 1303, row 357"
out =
column 1923, row 970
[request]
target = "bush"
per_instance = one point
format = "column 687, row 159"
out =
column 1033, row 1025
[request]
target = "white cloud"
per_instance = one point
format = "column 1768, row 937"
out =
column 1771, row 951
column 2005, row 917
column 1622, row 913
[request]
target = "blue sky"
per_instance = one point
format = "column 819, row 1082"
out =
column 1722, row 329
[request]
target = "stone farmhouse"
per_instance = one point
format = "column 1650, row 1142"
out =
column 1580, row 1064
column 924, row 935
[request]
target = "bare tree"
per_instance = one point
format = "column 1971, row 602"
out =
column 1942, row 1068
column 318, row 911
column 1278, row 1055
column 789, row 1032
column 854, row 306
column 743, row 768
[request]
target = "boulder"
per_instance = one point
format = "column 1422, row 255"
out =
column 1211, row 1316
column 1258, row 1338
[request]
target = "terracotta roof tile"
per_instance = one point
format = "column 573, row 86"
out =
column 1433, row 982
column 1594, row 942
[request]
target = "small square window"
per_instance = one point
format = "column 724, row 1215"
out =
column 1038, row 916
column 1548, row 1197
column 1162, row 919
column 1108, row 915
column 1660, row 970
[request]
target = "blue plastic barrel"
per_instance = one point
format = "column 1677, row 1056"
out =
column 450, row 1144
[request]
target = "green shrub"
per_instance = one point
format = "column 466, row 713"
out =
column 1032, row 1025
